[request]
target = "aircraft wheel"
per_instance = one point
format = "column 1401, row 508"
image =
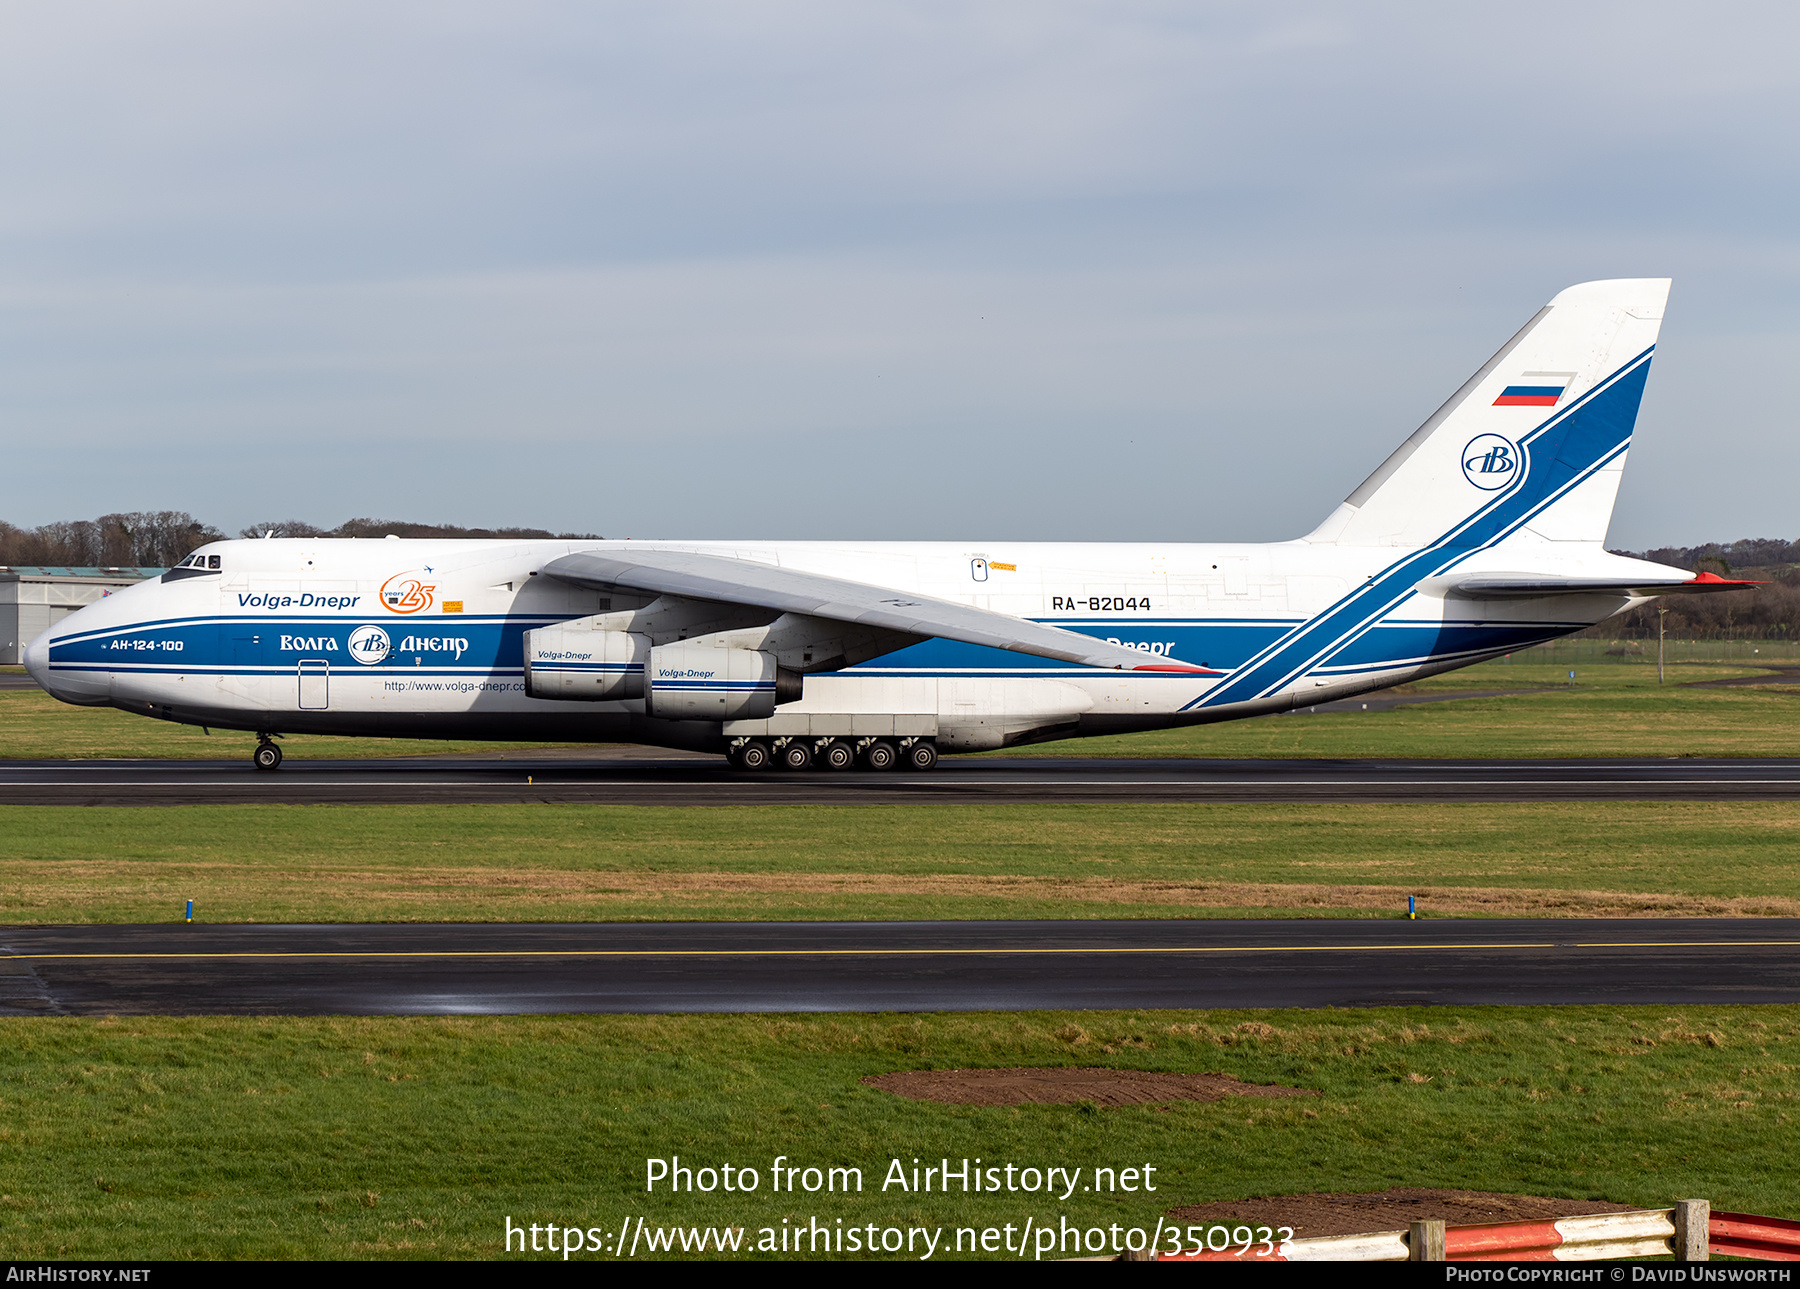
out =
column 752, row 756
column 837, row 755
column 921, row 755
column 881, row 755
column 267, row 756
column 796, row 755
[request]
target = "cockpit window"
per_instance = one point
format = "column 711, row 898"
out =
column 195, row 565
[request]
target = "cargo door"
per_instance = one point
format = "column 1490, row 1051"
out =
column 315, row 683
column 239, row 659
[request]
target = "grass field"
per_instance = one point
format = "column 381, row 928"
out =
column 157, row 1138
column 1614, row 708
column 1579, row 722
column 144, row 1138
column 275, row 863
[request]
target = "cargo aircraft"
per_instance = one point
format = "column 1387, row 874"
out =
column 1481, row 534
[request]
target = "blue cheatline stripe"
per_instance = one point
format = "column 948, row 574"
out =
column 717, row 688
column 273, row 621
column 1587, row 442
column 1391, row 643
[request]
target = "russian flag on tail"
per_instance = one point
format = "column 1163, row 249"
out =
column 1535, row 389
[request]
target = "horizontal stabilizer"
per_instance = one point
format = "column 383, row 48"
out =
column 1508, row 586
column 728, row 580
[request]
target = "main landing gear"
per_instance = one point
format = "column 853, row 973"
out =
column 267, row 755
column 918, row 754
column 921, row 755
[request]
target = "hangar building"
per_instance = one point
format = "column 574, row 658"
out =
column 32, row 600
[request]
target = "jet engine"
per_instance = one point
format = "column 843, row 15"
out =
column 693, row 681
column 572, row 662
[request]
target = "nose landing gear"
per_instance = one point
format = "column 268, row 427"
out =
column 267, row 755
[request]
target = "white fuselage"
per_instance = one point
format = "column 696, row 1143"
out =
column 423, row 638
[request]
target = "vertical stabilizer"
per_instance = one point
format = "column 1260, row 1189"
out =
column 1533, row 446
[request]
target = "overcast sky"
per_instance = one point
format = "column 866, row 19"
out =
column 1037, row 270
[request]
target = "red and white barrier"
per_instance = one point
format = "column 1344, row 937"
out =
column 1744, row 1235
column 1643, row 1233
column 1640, row 1234
column 1376, row 1246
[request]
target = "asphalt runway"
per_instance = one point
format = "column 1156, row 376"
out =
column 641, row 777
column 487, row 969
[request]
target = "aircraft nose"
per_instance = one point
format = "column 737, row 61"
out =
column 86, row 689
column 37, row 659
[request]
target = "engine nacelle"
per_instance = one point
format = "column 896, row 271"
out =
column 696, row 682
column 573, row 662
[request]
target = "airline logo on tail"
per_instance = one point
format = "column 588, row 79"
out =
column 1490, row 462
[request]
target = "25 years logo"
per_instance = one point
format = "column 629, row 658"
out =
column 406, row 593
column 1490, row 462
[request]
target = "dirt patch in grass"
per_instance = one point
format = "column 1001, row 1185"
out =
column 1325, row 1213
column 1052, row 1086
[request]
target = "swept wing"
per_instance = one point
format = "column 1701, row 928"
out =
column 725, row 579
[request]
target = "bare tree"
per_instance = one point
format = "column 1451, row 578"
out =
column 286, row 528
column 137, row 539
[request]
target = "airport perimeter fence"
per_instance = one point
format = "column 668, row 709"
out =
column 1690, row 1231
